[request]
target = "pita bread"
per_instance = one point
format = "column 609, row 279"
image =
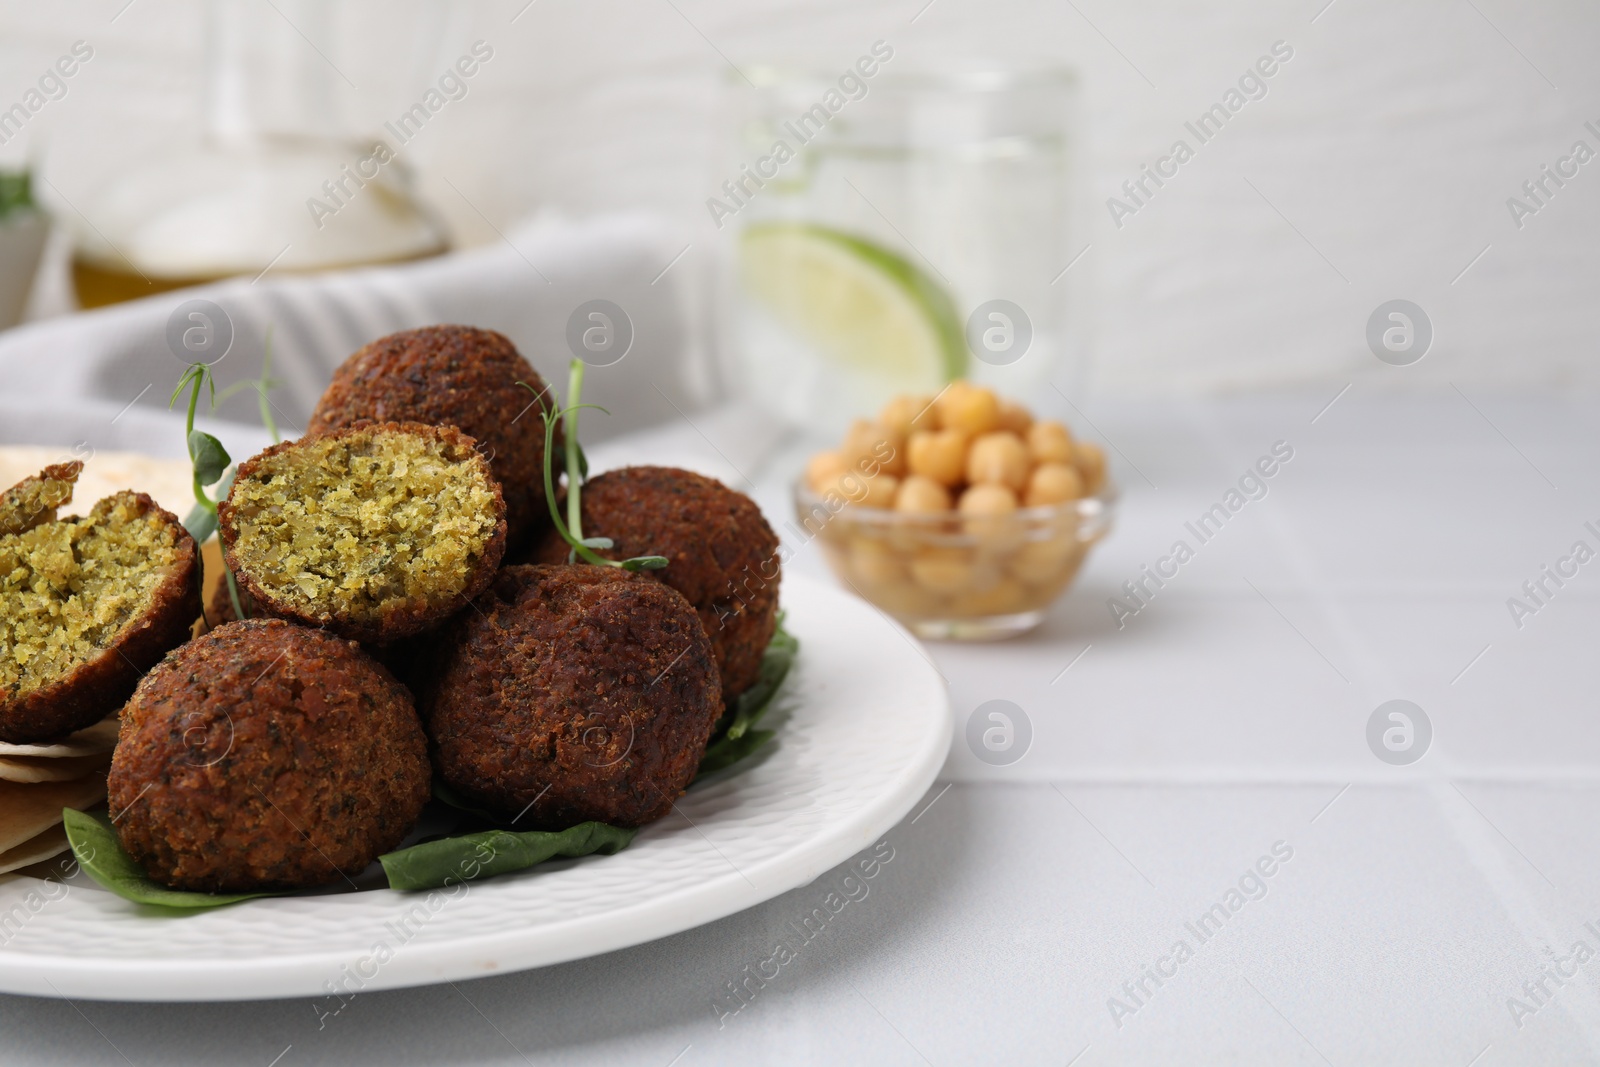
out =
column 91, row 740
column 168, row 481
column 211, row 564
column 36, row 769
column 28, row 810
column 36, row 849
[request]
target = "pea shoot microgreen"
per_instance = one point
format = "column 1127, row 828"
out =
column 262, row 385
column 212, row 466
column 577, row 470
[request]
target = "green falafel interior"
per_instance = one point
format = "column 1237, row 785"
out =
column 351, row 524
column 68, row 587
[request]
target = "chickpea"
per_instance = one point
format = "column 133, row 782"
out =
column 988, row 499
column 860, row 490
column 874, row 562
column 881, row 491
column 872, row 447
column 1053, row 483
column 921, row 495
column 988, row 511
column 823, row 470
column 1006, row 597
column 969, row 408
column 1091, row 464
column 1049, row 442
column 1014, row 417
column 906, row 414
column 940, row 455
column 1045, row 562
column 908, row 600
column 847, row 488
column 998, row 458
column 943, row 570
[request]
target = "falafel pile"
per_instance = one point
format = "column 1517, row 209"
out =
column 280, row 751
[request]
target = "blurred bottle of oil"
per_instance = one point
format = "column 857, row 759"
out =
column 272, row 182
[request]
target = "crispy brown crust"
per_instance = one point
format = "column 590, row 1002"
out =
column 414, row 616
column 573, row 693
column 264, row 755
column 97, row 688
column 724, row 556
column 452, row 376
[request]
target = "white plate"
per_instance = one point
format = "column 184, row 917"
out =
column 868, row 731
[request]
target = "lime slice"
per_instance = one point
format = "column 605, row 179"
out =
column 864, row 307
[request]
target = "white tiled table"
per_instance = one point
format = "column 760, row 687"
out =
column 1225, row 718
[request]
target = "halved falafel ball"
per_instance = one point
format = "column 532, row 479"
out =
column 86, row 604
column 573, row 693
column 724, row 556
column 35, row 500
column 457, row 376
column 264, row 755
column 377, row 532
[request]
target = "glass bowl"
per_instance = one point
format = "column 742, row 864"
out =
column 952, row 576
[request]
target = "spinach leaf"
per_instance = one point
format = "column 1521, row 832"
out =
column 451, row 860
column 730, row 750
column 739, row 738
column 100, row 854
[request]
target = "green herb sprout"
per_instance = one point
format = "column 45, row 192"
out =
column 262, row 385
column 577, row 466
column 212, row 466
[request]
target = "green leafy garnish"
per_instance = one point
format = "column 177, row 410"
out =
column 739, row 738
column 570, row 452
column 210, row 458
column 201, row 522
column 430, row 865
column 262, row 385
column 561, row 458
column 726, row 751
column 212, row 466
column 99, row 853
column 452, row 860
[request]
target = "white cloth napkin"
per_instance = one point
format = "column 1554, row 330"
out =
column 103, row 378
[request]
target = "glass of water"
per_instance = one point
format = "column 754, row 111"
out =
column 888, row 232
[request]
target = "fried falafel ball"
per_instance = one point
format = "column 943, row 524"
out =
column 377, row 532
column 573, row 693
column 457, row 376
column 86, row 604
column 724, row 556
column 263, row 756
